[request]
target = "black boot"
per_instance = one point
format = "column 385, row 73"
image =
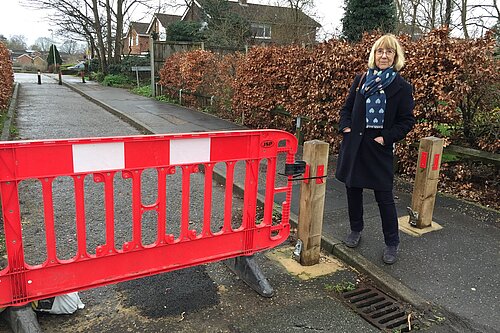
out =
column 390, row 254
column 352, row 240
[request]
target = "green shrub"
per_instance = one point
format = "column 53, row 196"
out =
column 113, row 80
column 165, row 98
column 115, row 69
column 94, row 65
column 128, row 62
column 185, row 31
column 97, row 76
column 444, row 129
column 143, row 91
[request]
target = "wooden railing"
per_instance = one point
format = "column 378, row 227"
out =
column 492, row 158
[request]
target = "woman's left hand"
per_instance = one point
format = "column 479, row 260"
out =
column 380, row 140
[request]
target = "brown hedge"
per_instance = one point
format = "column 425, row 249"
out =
column 455, row 81
column 203, row 73
column 6, row 77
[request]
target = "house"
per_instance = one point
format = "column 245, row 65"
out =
column 136, row 42
column 269, row 24
column 23, row 60
column 160, row 23
column 34, row 54
column 39, row 63
column 14, row 54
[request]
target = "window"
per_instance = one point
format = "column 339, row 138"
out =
column 261, row 31
column 136, row 39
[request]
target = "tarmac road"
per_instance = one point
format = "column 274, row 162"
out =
column 207, row 298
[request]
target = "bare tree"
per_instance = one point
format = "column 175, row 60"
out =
column 406, row 14
column 121, row 11
column 172, row 5
column 470, row 18
column 447, row 13
column 98, row 27
column 109, row 26
column 69, row 46
column 400, row 14
column 477, row 17
column 119, row 29
column 300, row 6
column 43, row 43
column 96, row 22
column 293, row 25
column 414, row 8
column 463, row 18
column 17, row 42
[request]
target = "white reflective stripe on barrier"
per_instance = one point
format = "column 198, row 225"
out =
column 187, row 151
column 98, row 156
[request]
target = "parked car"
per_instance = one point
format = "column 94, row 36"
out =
column 78, row 67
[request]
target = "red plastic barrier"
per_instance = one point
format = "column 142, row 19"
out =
column 44, row 161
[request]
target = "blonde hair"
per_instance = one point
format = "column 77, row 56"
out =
column 388, row 41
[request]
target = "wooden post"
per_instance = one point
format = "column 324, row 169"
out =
column 312, row 202
column 426, row 180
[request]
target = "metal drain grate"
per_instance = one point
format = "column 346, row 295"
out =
column 376, row 307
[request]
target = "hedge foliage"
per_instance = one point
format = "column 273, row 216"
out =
column 124, row 67
column 203, row 73
column 455, row 84
column 6, row 77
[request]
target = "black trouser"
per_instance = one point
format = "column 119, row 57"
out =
column 387, row 209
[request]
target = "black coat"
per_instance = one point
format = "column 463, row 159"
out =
column 363, row 162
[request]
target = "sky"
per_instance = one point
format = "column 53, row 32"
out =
column 18, row 20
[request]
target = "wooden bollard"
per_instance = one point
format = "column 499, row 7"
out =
column 426, row 179
column 312, row 201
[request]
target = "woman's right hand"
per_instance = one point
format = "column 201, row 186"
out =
column 346, row 130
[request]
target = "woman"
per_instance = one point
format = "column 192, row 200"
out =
column 377, row 113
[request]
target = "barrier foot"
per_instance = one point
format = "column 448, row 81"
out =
column 22, row 319
column 247, row 270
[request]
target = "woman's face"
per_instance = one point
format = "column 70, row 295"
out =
column 384, row 57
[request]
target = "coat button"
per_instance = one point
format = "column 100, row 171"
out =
column 360, row 133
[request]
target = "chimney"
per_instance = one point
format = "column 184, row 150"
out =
column 243, row 2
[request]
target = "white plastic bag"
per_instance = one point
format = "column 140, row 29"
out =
column 63, row 304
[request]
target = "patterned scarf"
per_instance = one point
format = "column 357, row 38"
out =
column 373, row 90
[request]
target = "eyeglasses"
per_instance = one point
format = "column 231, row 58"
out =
column 388, row 52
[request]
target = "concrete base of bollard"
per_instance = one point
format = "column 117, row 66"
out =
column 22, row 319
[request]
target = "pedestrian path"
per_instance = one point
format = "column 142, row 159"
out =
column 148, row 113
column 456, row 268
